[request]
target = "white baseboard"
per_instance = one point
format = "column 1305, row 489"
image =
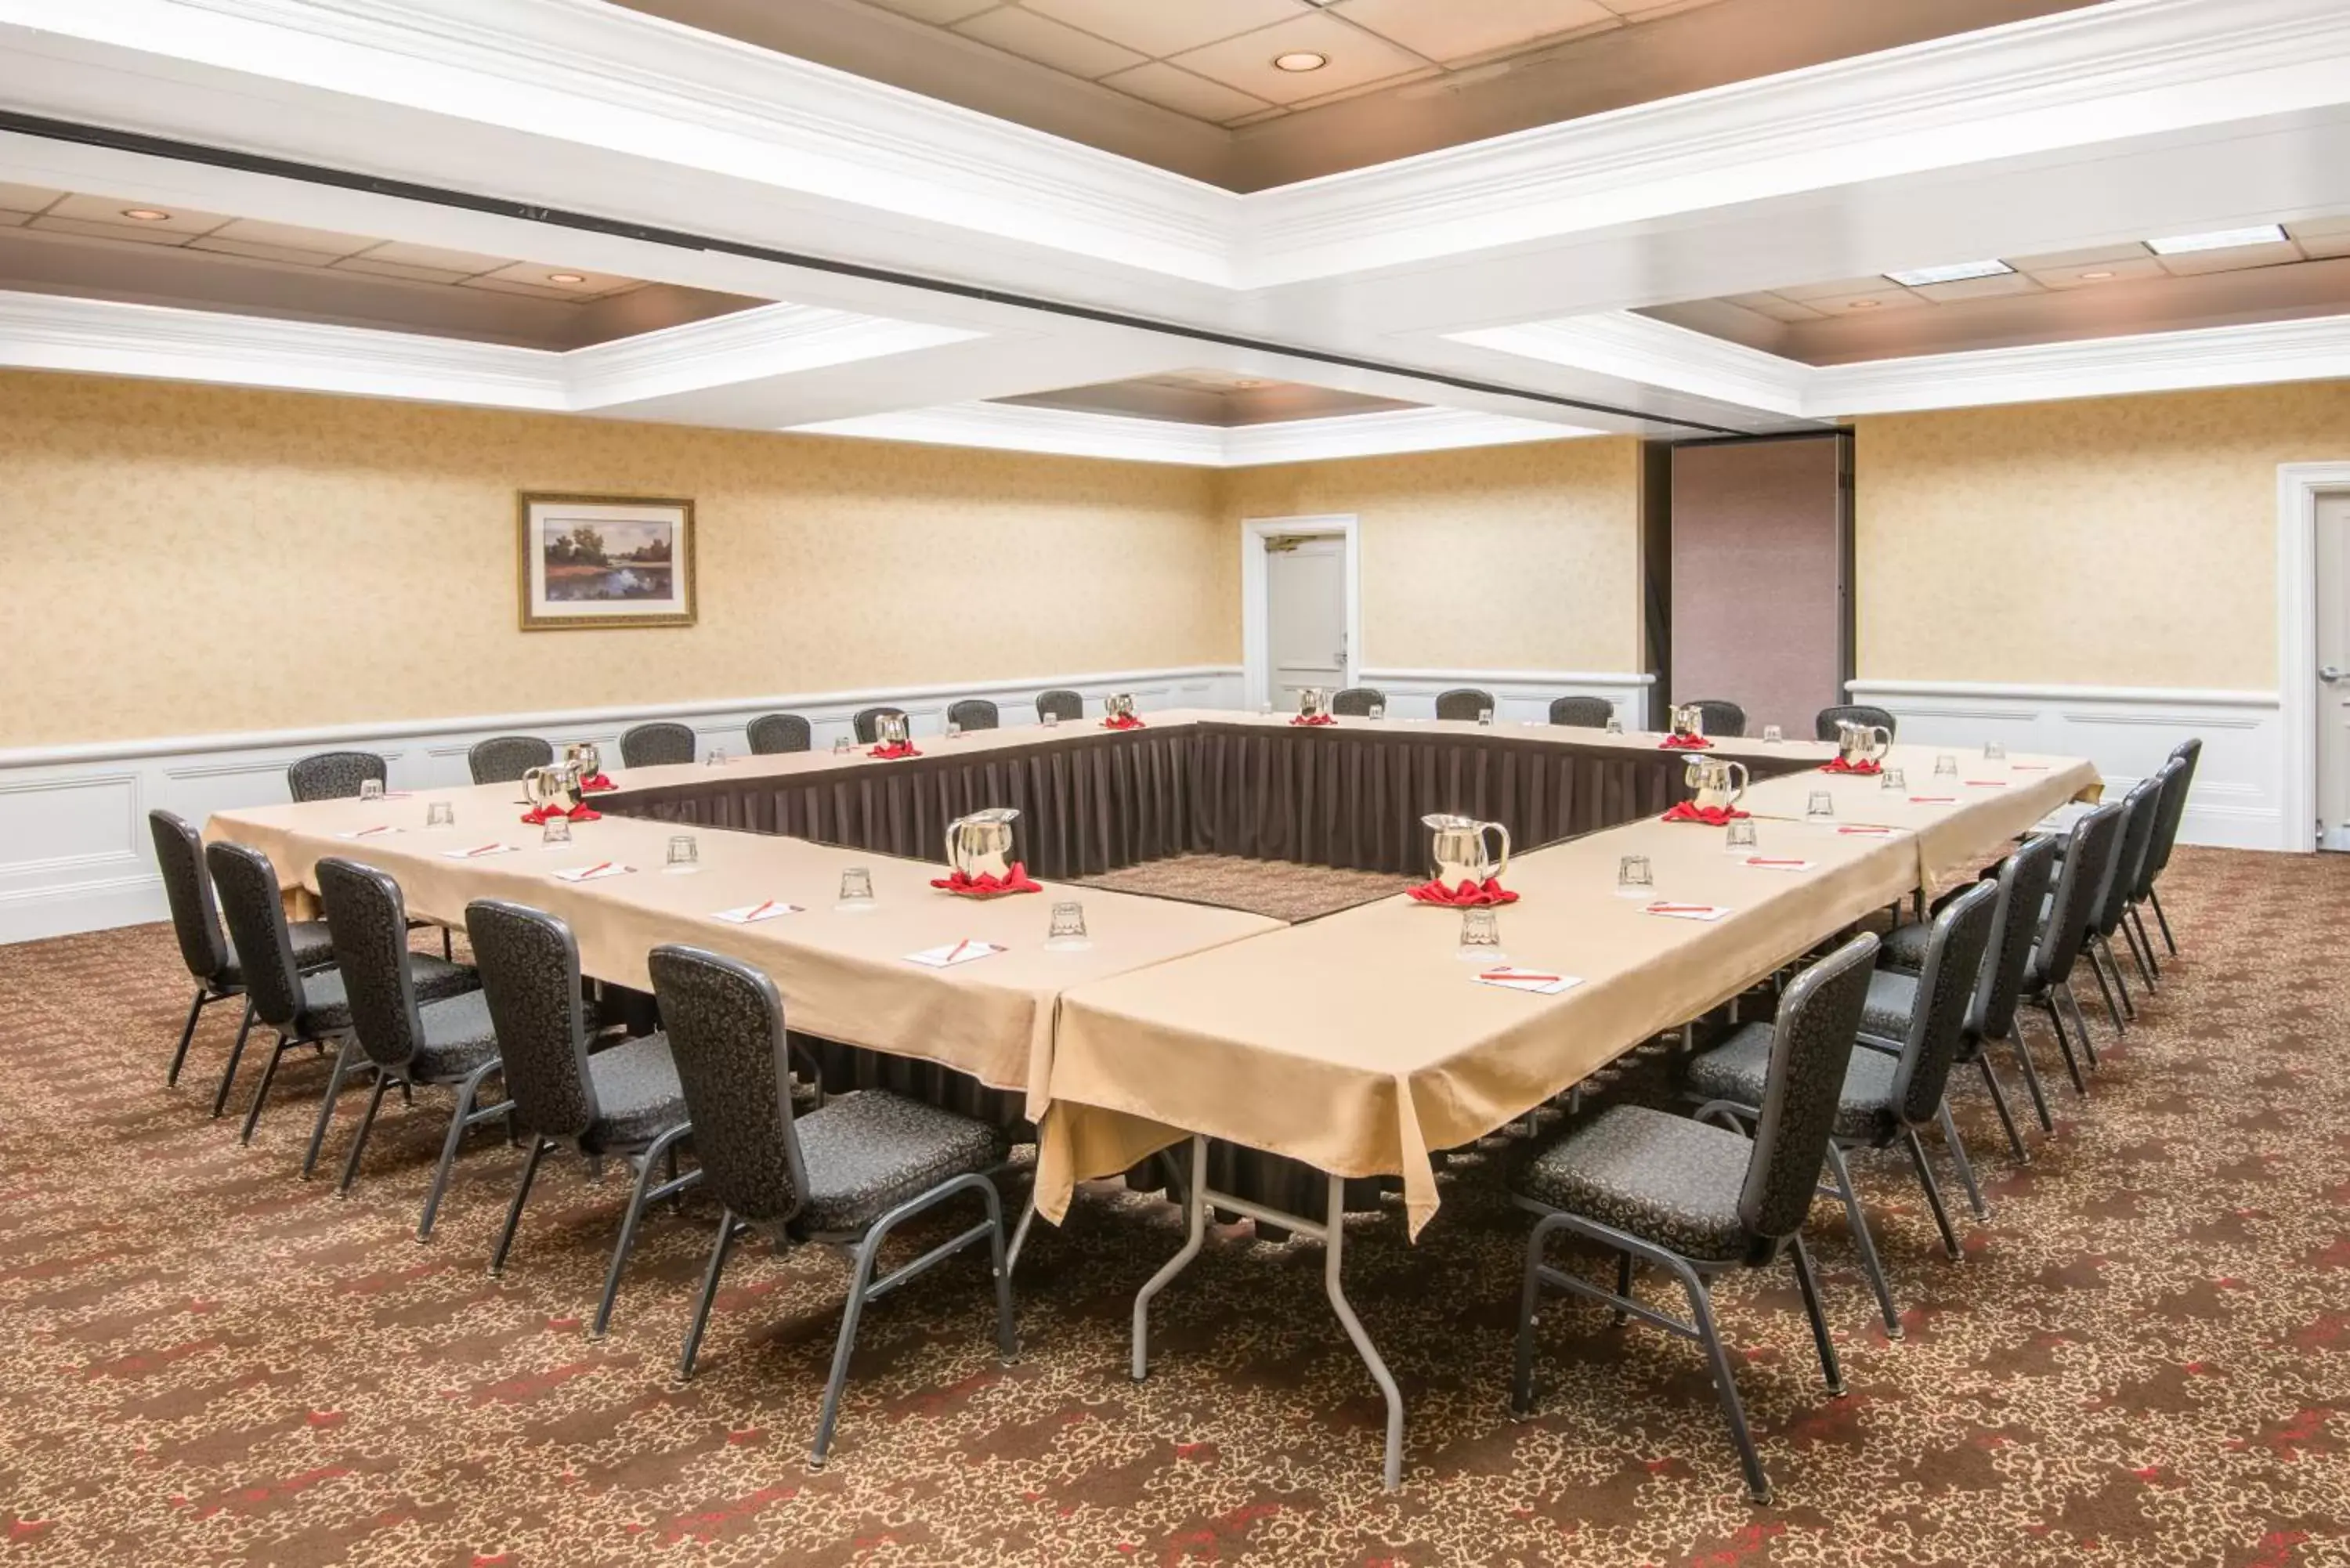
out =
column 75, row 855
column 2127, row 732
column 1520, row 696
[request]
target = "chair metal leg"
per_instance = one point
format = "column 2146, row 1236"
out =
column 729, row 1228
column 460, row 1116
column 539, row 1148
column 1195, row 1209
column 261, row 1096
column 1857, row 1219
column 2154, row 898
column 2023, row 1043
column 2092, row 950
column 1998, row 1103
column 187, row 1033
column 383, row 1081
column 1522, row 1363
column 1725, row 1386
column 1623, row 1286
column 1020, row 1233
column 235, row 1056
column 2051, row 1005
column 343, row 1056
column 1966, row 1167
column 860, row 1275
column 666, row 1143
column 2081, row 1018
column 1821, row 1342
column 1332, row 1245
column 2143, row 948
column 1933, row 1193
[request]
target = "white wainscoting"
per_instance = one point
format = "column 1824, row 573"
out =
column 75, row 855
column 2127, row 732
column 1520, row 696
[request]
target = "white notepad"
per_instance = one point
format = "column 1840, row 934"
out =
column 477, row 851
column 751, row 914
column 595, row 873
column 952, row 953
column 1515, row 977
column 1777, row 863
column 1688, row 911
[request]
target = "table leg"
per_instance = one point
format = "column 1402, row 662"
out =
column 1333, row 1237
column 1196, row 1211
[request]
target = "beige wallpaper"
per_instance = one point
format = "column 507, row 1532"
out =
column 1499, row 557
column 2112, row 541
column 187, row 559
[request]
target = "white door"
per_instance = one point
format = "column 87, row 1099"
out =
column 2334, row 672
column 1305, row 615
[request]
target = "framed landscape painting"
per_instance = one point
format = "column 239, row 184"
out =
column 604, row 561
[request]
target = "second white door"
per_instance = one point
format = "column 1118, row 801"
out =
column 1305, row 615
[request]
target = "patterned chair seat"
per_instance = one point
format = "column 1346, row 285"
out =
column 313, row 946
column 1735, row 1070
column 869, row 1151
column 1903, row 948
column 458, row 1037
column 327, row 1006
column 1891, row 1004
column 638, row 1097
column 1663, row 1178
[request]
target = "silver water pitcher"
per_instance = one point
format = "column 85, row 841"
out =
column 1457, row 846
column 889, row 729
column 1312, row 702
column 553, row 789
column 584, row 757
column 1118, row 705
column 1858, row 744
column 1688, row 721
column 1712, row 779
column 979, row 844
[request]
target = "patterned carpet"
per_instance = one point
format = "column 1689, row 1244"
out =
column 2145, row 1358
column 1272, row 888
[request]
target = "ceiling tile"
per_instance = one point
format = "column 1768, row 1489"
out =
column 2326, row 247
column 135, row 234
column 1357, row 57
column 2235, row 258
column 532, row 290
column 9, row 220
column 25, row 198
column 540, row 275
column 938, row 13
column 1893, row 296
column 289, row 236
column 180, row 221
column 1977, row 288
column 1169, row 26
column 2076, row 275
column 1778, row 307
column 2315, row 228
column 1448, row 30
column 1179, row 90
column 368, row 263
column 2059, row 261
column 246, row 248
column 1844, row 290
column 463, row 263
column 1049, row 43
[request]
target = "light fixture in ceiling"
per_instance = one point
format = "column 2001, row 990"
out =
column 1862, row 305
column 1952, row 271
column 567, row 278
column 2217, row 240
column 2094, row 277
column 1300, row 60
column 1247, row 384
column 145, row 214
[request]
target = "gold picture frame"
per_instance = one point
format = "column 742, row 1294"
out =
column 596, row 562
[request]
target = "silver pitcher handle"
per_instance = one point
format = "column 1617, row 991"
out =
column 953, row 832
column 1881, row 739
column 1502, row 865
column 1737, row 791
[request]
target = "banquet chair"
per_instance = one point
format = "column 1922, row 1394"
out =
column 333, row 775
column 2132, row 877
column 624, row 1101
column 504, row 759
column 1357, row 702
column 1698, row 1199
column 2064, row 928
column 1463, row 703
column 1823, row 727
column 301, row 1007
column 2166, row 833
column 657, row 744
column 406, row 1043
column 1582, row 712
column 973, row 713
column 847, row 1174
column 1723, row 719
column 2106, row 910
column 2023, row 879
column 210, row 958
column 772, row 735
column 867, row 722
column 1060, row 703
column 1887, row 1095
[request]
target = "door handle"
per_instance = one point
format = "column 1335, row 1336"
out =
column 2330, row 673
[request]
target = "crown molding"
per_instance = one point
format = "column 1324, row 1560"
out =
column 1655, row 353
column 747, row 346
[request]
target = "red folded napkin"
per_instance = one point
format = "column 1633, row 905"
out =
column 1318, row 719
column 1711, row 815
column 536, row 816
column 1123, row 721
column 987, row 884
column 1863, row 768
column 1685, row 743
column 1467, row 896
column 583, row 813
column 596, row 784
column 892, row 753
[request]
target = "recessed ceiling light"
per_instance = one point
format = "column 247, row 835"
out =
column 2094, row 277
column 1953, row 272
column 1300, row 60
column 2217, row 240
column 145, row 214
column 1245, row 382
column 1862, row 305
column 567, row 278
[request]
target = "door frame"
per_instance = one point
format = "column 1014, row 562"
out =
column 1256, row 645
column 2298, row 485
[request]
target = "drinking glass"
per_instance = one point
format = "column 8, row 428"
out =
column 1481, row 937
column 1052, row 720
column 1379, row 709
column 1264, row 710
column 370, row 789
column 844, row 744
column 1066, row 932
column 1739, row 837
column 954, row 731
column 684, row 853
column 1894, row 778
column 1772, row 735
column 441, row 813
column 1821, row 804
column 1485, row 716
column 557, row 831
column 1993, row 752
column 1946, row 766
column 856, row 890
column 716, row 759
column 1634, row 878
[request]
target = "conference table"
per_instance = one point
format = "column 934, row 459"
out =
column 1354, row 1047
